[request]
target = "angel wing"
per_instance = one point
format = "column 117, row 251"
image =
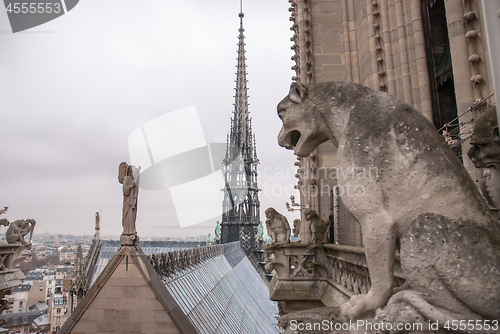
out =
column 122, row 171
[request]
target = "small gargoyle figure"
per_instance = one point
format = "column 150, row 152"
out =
column 320, row 230
column 18, row 230
column 277, row 226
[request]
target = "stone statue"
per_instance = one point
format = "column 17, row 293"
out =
column 261, row 231
column 97, row 220
column 320, row 230
column 18, row 230
column 129, row 177
column 209, row 239
column 217, row 233
column 4, row 221
column 485, row 153
column 417, row 195
column 296, row 228
column 277, row 226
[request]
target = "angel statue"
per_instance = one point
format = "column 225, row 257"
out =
column 129, row 177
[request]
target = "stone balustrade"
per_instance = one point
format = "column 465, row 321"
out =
column 349, row 271
column 319, row 273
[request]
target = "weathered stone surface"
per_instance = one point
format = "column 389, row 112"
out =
column 485, row 153
column 418, row 194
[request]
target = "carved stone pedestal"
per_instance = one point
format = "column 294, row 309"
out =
column 10, row 274
column 300, row 277
column 129, row 239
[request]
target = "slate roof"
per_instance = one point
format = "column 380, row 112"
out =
column 42, row 320
column 222, row 295
column 22, row 287
column 225, row 295
column 29, row 315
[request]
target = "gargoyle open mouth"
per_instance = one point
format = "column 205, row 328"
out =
column 294, row 137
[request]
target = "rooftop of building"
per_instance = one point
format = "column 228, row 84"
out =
column 23, row 287
column 21, row 318
column 216, row 289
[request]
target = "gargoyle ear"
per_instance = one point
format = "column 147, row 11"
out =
column 296, row 92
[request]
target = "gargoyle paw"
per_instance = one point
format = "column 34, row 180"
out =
column 358, row 307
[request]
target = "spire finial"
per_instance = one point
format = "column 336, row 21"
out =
column 241, row 9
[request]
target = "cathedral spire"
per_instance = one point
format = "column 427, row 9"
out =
column 241, row 206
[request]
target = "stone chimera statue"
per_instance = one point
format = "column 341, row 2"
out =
column 421, row 195
column 18, row 230
column 277, row 226
column 320, row 230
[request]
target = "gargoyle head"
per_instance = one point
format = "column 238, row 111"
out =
column 303, row 127
column 485, row 141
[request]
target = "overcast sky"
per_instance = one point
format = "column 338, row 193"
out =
column 74, row 89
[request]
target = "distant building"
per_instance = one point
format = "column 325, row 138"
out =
column 37, row 293
column 35, row 275
column 66, row 256
column 18, row 300
column 58, row 311
column 21, row 322
column 41, row 324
